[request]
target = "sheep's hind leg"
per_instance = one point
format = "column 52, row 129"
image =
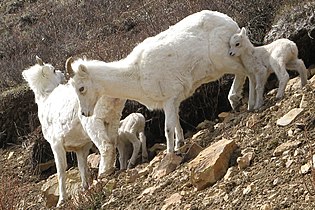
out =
column 299, row 66
column 61, row 165
column 179, row 140
column 136, row 148
column 283, row 77
column 82, row 165
column 144, row 152
column 171, row 109
column 122, row 151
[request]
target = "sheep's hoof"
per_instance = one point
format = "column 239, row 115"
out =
column 131, row 165
column 107, row 173
column 61, row 202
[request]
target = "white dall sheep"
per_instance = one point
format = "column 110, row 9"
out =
column 275, row 57
column 131, row 131
column 165, row 69
column 66, row 130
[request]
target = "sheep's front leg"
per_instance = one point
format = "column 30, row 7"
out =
column 235, row 93
column 252, row 92
column 171, row 109
column 82, row 165
column 61, row 165
column 105, row 145
column 261, row 76
column 108, row 156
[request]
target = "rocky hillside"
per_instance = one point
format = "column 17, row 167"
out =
column 246, row 161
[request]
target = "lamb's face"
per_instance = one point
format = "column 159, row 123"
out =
column 235, row 45
column 85, row 91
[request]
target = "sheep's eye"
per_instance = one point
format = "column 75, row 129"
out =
column 237, row 44
column 81, row 89
column 54, row 71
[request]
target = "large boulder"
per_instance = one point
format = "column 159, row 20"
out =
column 212, row 163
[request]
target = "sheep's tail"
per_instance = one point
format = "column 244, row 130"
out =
column 294, row 50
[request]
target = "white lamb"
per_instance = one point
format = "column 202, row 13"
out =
column 66, row 130
column 131, row 130
column 275, row 57
column 165, row 69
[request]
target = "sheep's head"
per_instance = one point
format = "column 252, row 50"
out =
column 237, row 43
column 43, row 78
column 81, row 81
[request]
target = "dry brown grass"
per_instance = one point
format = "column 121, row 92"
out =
column 105, row 30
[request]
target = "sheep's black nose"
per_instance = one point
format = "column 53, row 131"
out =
column 83, row 113
column 231, row 53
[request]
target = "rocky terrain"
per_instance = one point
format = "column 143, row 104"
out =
column 278, row 172
column 258, row 162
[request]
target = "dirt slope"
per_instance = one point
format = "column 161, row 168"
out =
column 274, row 181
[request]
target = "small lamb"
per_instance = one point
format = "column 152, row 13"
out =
column 275, row 57
column 131, row 130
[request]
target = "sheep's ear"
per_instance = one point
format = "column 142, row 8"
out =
column 39, row 61
column 243, row 31
column 82, row 71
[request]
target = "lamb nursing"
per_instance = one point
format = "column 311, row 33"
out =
column 275, row 57
column 165, row 69
column 67, row 130
column 131, row 131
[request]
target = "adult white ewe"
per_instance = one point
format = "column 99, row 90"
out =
column 66, row 130
column 131, row 131
column 275, row 57
column 165, row 69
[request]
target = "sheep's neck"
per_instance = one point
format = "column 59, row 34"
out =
column 248, row 56
column 118, row 80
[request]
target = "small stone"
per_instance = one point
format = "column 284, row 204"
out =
column 229, row 173
column 266, row 206
column 147, row 191
column 191, row 151
column 248, row 189
column 10, row 155
column 286, row 146
column 132, row 175
column 167, row 165
column 223, row 116
column 288, row 163
column 244, row 161
column 290, row 133
column 175, row 199
column 289, row 117
column 306, row 168
column 303, row 103
column 275, row 182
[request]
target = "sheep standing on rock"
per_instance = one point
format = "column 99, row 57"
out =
column 67, row 130
column 131, row 130
column 275, row 57
column 165, row 69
